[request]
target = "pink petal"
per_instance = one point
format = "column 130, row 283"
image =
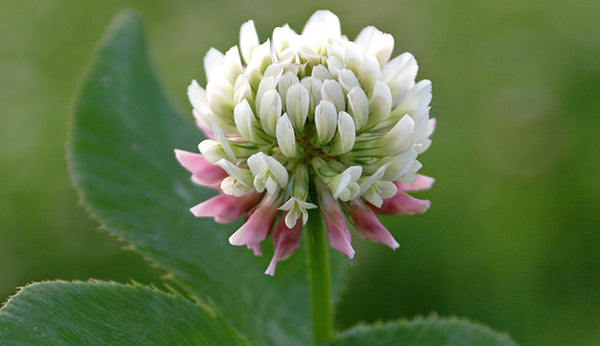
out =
column 259, row 224
column 402, row 204
column 203, row 173
column 285, row 241
column 255, row 249
column 225, row 208
column 422, row 183
column 337, row 229
column 367, row 225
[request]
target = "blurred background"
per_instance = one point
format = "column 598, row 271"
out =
column 513, row 235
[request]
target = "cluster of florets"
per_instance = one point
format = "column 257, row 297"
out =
column 310, row 111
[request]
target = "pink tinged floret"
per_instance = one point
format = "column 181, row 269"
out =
column 259, row 224
column 203, row 173
column 225, row 208
column 367, row 225
column 421, row 183
column 337, row 229
column 404, row 204
column 285, row 241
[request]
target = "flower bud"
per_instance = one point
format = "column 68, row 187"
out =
column 347, row 80
column 266, row 84
column 285, row 136
column 242, row 89
column 297, row 103
column 270, row 111
column 321, row 73
column 287, row 80
column 358, row 107
column 345, row 136
column 332, row 92
column 245, row 121
column 380, row 104
column 313, row 86
column 325, row 121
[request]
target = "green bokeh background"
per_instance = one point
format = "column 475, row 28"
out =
column 512, row 238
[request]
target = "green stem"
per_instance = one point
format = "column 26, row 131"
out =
column 319, row 276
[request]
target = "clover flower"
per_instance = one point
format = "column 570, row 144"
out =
column 310, row 111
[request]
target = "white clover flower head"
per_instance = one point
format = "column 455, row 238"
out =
column 310, row 111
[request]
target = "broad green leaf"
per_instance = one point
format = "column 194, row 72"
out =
column 432, row 331
column 121, row 158
column 65, row 313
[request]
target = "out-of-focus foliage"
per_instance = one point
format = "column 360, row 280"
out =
column 513, row 235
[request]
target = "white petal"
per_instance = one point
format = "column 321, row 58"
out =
column 270, row 111
column 248, row 40
column 386, row 189
column 257, row 164
column 367, row 183
column 358, row 107
column 400, row 136
column 380, row 104
column 220, row 137
column 324, row 24
column 313, row 86
column 266, row 84
column 325, row 121
column 400, row 75
column 353, row 56
column 211, row 150
column 376, row 43
column 278, row 171
column 334, row 65
column 285, row 136
column 284, row 38
column 320, row 72
column 369, row 73
column 271, row 186
column 297, row 104
column 197, row 95
column 213, row 64
column 241, row 89
column 261, row 58
column 346, row 134
column 332, row 92
column 232, row 65
column 244, row 116
column 347, row 80
column 287, row 80
column 241, row 174
column 373, row 197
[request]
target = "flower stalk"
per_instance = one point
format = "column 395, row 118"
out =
column 319, row 276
